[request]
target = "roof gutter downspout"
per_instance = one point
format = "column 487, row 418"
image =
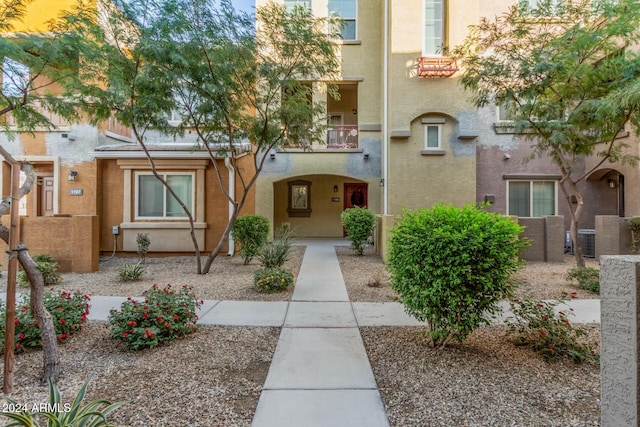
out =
column 385, row 113
column 232, row 199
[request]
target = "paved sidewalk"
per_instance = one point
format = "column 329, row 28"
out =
column 273, row 313
column 320, row 373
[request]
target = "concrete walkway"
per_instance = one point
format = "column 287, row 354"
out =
column 320, row 373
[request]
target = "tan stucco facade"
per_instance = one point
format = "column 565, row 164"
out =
column 393, row 107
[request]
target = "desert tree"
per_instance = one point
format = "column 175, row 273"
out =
column 34, row 67
column 240, row 85
column 559, row 70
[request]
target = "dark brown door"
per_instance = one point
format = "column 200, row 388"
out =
column 355, row 194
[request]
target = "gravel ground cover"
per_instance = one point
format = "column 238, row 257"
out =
column 214, row 377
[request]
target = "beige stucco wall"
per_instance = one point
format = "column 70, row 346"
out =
column 415, row 180
column 324, row 171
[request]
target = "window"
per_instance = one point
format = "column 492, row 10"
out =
column 506, row 111
column 434, row 25
column 15, row 77
column 346, row 10
column 155, row 202
column 432, row 137
column 299, row 198
column 542, row 7
column 289, row 5
column 531, row 198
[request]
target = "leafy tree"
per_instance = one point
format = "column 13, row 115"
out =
column 230, row 83
column 34, row 65
column 571, row 82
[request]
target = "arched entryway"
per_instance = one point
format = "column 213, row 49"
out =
column 311, row 204
column 608, row 189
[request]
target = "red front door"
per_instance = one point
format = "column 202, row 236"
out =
column 355, row 194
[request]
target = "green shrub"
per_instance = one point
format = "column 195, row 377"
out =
column 143, row 241
column 588, row 278
column 59, row 412
column 358, row 222
column 634, row 227
column 131, row 272
column 68, row 310
column 539, row 325
column 49, row 268
column 251, row 231
column 276, row 253
column 164, row 315
column 451, row 266
column 270, row 280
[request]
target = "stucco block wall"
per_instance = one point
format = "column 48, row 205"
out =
column 619, row 305
column 546, row 236
column 72, row 241
column 384, row 225
column 613, row 236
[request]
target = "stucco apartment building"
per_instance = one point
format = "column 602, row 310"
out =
column 408, row 137
column 95, row 189
column 402, row 135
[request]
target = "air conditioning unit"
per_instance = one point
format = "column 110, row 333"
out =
column 587, row 239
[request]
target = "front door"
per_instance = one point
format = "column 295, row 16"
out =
column 355, row 194
column 44, row 202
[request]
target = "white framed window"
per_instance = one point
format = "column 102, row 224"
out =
column 289, row 5
column 15, row 77
column 531, row 198
column 153, row 201
column 548, row 7
column 505, row 112
column 432, row 137
column 346, row 11
column 434, row 27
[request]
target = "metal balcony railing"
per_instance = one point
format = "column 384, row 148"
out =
column 437, row 66
column 342, row 136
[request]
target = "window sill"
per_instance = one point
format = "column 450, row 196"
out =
column 433, row 152
column 161, row 224
column 349, row 42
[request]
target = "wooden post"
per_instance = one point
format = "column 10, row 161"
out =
column 14, row 235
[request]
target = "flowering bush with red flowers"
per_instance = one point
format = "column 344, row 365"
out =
column 69, row 311
column 165, row 314
column 541, row 326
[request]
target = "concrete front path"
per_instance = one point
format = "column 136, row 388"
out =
column 320, row 373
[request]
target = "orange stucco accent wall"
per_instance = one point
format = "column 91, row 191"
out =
column 110, row 196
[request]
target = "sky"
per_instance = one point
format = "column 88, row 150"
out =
column 246, row 5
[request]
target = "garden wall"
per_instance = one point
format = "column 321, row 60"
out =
column 70, row 240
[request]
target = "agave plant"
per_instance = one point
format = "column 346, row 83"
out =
column 59, row 414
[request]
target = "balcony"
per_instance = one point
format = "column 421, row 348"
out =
column 56, row 121
column 437, row 66
column 117, row 130
column 342, row 136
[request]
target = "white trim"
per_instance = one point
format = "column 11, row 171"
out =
column 55, row 161
column 348, row 18
column 443, row 4
column 426, row 136
column 531, row 201
column 136, row 198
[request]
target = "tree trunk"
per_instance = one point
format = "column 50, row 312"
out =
column 575, row 213
column 51, row 355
